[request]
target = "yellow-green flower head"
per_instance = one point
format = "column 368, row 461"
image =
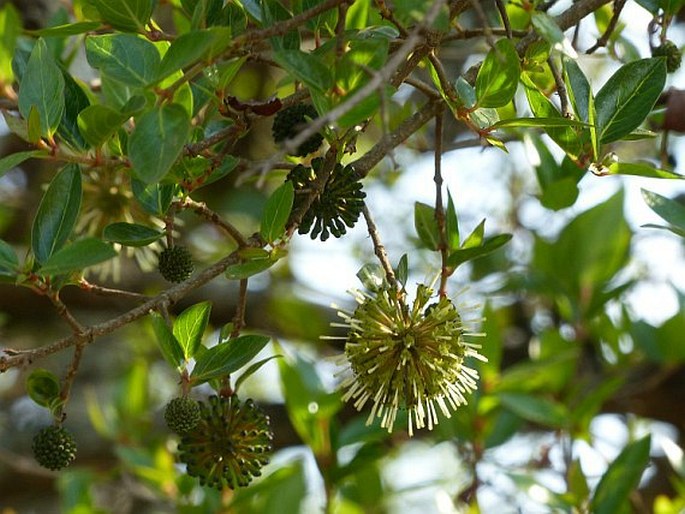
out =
column 407, row 357
column 229, row 445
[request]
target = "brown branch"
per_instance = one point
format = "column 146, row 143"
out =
column 21, row 358
column 561, row 87
column 201, row 209
column 505, row 18
column 439, row 207
column 378, row 247
column 604, row 38
column 106, row 291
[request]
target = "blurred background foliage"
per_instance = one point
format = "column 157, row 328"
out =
column 583, row 364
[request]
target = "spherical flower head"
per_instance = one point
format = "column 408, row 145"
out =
column 411, row 357
column 229, row 445
column 290, row 121
column 175, row 263
column 54, row 447
column 337, row 207
column 182, row 414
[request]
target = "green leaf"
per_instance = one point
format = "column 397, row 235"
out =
column 190, row 326
column 538, row 122
column 57, row 213
column 126, row 15
column 78, row 255
column 641, row 170
column 426, row 225
column 13, row 160
column 68, row 29
column 226, row 358
column 189, row 48
column 277, row 211
column 490, row 244
column 42, row 87
column 75, row 101
column 157, row 141
column 475, row 238
column 451, row 224
column 256, row 260
column 130, row 234
column 670, row 210
column 43, row 387
column 536, row 409
column 126, row 58
column 251, row 370
column 628, row 97
column 10, row 28
column 402, row 270
column 578, row 88
column 97, row 123
column 33, row 125
column 621, row 478
column 154, row 198
column 168, row 345
column 305, row 67
column 498, row 76
column 8, row 260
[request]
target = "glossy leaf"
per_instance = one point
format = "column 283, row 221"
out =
column 640, row 170
column 154, row 198
column 130, row 234
column 189, row 48
column 549, row 30
column 305, row 67
column 255, row 260
column 68, row 29
column 13, row 160
column 98, row 123
column 126, row 15
column 168, row 345
column 75, row 101
column 578, row 88
column 498, row 76
column 277, row 211
column 426, row 225
column 402, row 270
column 621, row 478
column 126, row 58
column 42, row 88
column 538, row 122
column 78, row 255
column 451, row 224
column 57, row 213
column 190, row 326
column 628, row 97
column 8, row 260
column 489, row 245
column 157, row 141
column 227, row 358
column 43, row 387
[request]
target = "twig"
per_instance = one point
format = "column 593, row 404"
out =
column 69, row 378
column 473, row 33
column 201, row 209
column 106, row 291
column 20, row 358
column 505, row 18
column 378, row 80
column 604, row 38
column 439, row 208
column 561, row 87
column 378, row 247
column 64, row 313
column 239, row 318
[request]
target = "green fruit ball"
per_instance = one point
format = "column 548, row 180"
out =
column 182, row 414
column 175, row 264
column 671, row 52
column 54, row 448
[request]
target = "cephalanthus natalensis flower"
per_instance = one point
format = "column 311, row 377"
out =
column 402, row 356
